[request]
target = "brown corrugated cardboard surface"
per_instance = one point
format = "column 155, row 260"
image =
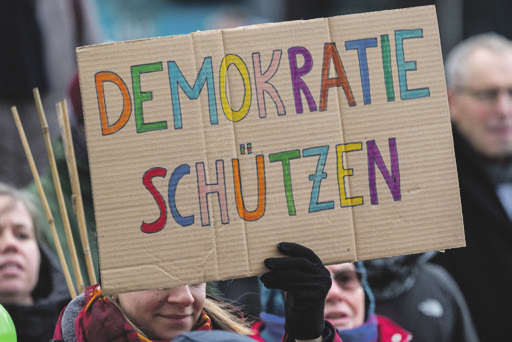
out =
column 424, row 213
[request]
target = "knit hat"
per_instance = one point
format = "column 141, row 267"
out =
column 391, row 277
column 369, row 303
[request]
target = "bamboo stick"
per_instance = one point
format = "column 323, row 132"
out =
column 58, row 190
column 63, row 115
column 46, row 206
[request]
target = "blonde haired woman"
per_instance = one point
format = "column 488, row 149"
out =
column 152, row 315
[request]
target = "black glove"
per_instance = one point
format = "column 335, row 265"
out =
column 306, row 282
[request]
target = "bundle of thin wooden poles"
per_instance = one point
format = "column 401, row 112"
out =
column 62, row 113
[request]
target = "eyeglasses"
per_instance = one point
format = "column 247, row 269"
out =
column 489, row 95
column 348, row 280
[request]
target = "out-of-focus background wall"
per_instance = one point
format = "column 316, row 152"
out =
column 46, row 33
column 133, row 19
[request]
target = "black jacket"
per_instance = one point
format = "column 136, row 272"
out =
column 483, row 269
column 36, row 323
column 421, row 297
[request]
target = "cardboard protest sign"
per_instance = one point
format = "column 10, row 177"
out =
column 208, row 149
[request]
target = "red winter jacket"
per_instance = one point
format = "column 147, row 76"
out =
column 388, row 332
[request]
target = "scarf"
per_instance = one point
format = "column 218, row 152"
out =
column 368, row 332
column 501, row 176
column 93, row 317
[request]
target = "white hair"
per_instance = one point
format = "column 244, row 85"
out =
column 456, row 61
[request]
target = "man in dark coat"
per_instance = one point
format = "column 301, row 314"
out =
column 479, row 82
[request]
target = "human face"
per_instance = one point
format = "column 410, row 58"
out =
column 164, row 313
column 482, row 106
column 19, row 253
column 344, row 304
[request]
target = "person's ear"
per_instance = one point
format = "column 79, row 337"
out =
column 452, row 103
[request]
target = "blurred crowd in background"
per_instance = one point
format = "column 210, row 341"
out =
column 133, row 19
column 38, row 43
column 63, row 25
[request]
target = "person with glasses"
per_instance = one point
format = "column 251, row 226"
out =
column 479, row 88
column 304, row 300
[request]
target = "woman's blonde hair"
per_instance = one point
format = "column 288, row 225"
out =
column 223, row 315
column 226, row 316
